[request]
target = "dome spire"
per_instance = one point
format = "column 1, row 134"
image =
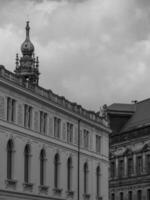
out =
column 27, row 47
column 27, row 31
column 27, row 67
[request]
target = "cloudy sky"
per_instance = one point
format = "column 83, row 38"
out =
column 90, row 51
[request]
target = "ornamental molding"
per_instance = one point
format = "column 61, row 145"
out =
column 146, row 147
column 128, row 152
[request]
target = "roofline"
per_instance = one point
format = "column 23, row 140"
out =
column 41, row 93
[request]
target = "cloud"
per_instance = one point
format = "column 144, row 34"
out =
column 90, row 51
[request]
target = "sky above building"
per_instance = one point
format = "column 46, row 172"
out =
column 93, row 52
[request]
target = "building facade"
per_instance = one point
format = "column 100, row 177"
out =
column 130, row 151
column 50, row 148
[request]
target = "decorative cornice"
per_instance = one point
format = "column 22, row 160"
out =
column 128, row 152
column 54, row 98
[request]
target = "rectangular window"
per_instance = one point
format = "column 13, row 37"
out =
column 86, row 138
column 57, row 127
column 27, row 116
column 130, row 166
column 98, row 143
column 43, row 122
column 69, row 132
column 11, row 109
column 148, row 163
column 121, row 168
column 112, row 169
column 139, row 165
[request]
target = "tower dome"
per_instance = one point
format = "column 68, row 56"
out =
column 27, row 66
column 27, row 47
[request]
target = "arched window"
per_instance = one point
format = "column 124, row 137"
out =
column 139, row 195
column 121, row 196
column 10, row 147
column 130, row 195
column 98, row 181
column 113, row 196
column 148, row 194
column 69, row 174
column 26, row 163
column 56, row 170
column 85, row 178
column 42, row 167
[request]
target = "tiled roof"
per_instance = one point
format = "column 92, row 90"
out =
column 141, row 117
column 140, row 114
column 121, row 107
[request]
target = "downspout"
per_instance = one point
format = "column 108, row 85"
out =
column 78, row 159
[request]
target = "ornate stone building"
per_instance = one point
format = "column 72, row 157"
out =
column 50, row 148
column 130, row 151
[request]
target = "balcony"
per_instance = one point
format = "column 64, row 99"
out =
column 99, row 198
column 86, row 196
column 28, row 186
column 11, row 183
column 57, row 191
column 70, row 193
column 43, row 189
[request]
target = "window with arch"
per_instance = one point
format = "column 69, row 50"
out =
column 56, row 170
column 85, row 168
column 148, row 194
column 139, row 195
column 42, row 167
column 26, row 163
column 130, row 195
column 69, row 174
column 10, row 147
column 98, row 181
column 113, row 196
column 121, row 196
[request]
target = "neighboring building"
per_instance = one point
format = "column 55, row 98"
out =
column 50, row 148
column 130, row 151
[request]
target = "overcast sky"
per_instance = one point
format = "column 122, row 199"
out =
column 91, row 51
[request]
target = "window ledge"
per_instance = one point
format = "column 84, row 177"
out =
column 28, row 186
column 70, row 193
column 43, row 188
column 86, row 196
column 99, row 198
column 57, row 190
column 11, row 182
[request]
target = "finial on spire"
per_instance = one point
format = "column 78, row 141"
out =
column 27, row 30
